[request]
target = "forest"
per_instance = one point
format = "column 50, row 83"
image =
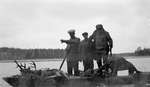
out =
column 142, row 52
column 17, row 53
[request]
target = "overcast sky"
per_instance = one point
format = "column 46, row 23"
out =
column 42, row 23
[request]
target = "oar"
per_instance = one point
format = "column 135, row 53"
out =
column 62, row 62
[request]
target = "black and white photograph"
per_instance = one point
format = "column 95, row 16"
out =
column 74, row 43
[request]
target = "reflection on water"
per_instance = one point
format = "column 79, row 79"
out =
column 9, row 68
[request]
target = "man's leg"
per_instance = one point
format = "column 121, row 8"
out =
column 99, row 60
column 85, row 65
column 69, row 67
column 76, row 68
column 90, row 64
column 105, row 58
column 99, row 63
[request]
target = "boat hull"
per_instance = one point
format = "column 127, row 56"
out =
column 136, row 80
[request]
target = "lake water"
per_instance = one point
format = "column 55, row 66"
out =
column 9, row 68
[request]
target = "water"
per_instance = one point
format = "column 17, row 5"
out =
column 9, row 68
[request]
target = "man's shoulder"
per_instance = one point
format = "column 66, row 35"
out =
column 77, row 38
column 82, row 41
column 95, row 31
column 105, row 31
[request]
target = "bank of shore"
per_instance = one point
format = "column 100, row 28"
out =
column 60, row 59
column 29, row 60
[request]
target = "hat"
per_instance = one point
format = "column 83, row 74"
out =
column 71, row 31
column 85, row 33
column 99, row 26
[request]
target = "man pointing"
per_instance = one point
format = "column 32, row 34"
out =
column 72, row 53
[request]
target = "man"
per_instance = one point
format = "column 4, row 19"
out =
column 72, row 53
column 103, row 44
column 86, row 53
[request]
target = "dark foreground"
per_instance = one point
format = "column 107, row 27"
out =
column 31, row 77
column 136, row 80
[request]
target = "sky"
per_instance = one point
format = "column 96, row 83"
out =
column 42, row 23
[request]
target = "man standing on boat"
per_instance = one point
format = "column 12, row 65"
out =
column 86, row 53
column 103, row 44
column 72, row 53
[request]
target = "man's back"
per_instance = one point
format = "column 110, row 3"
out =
column 102, row 39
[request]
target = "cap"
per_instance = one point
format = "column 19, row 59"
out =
column 71, row 31
column 85, row 33
column 99, row 26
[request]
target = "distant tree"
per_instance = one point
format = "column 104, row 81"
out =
column 139, row 48
column 142, row 52
column 16, row 53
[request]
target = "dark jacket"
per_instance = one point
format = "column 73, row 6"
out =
column 102, row 40
column 84, row 49
column 72, row 49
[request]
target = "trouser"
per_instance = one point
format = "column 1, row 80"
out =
column 101, row 56
column 72, row 65
column 88, row 64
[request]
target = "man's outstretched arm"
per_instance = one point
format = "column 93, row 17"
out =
column 71, row 41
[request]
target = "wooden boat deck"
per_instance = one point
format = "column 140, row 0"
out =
column 137, row 80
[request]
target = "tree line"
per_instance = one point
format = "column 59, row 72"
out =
column 17, row 53
column 142, row 52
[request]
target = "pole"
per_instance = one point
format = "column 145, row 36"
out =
column 62, row 62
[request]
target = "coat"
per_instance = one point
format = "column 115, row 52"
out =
column 72, row 49
column 85, row 50
column 102, row 40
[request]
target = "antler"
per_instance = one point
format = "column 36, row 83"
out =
column 34, row 65
column 18, row 65
column 24, row 66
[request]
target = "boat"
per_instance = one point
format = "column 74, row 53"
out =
column 56, row 78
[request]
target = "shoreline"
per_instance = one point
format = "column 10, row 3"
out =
column 29, row 60
column 60, row 59
column 131, row 56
